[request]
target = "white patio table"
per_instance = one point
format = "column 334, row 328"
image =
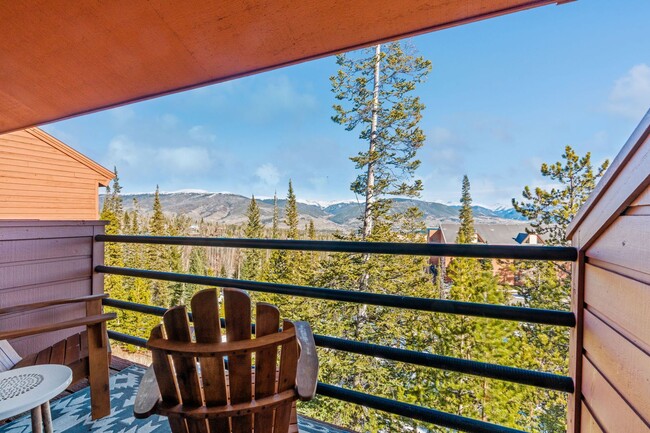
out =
column 31, row 388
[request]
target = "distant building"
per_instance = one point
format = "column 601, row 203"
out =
column 43, row 178
column 491, row 234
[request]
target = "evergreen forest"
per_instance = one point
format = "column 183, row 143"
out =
column 373, row 90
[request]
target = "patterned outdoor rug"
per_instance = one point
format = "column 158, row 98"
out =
column 71, row 414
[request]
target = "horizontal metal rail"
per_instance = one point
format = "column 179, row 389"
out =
column 524, row 252
column 134, row 306
column 412, row 411
column 503, row 312
column 492, row 371
column 126, row 338
column 380, row 403
column 527, row 377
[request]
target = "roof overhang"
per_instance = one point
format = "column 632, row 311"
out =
column 60, row 59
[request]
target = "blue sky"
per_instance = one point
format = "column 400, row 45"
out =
column 504, row 96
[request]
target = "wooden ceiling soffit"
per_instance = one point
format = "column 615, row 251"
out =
column 60, row 59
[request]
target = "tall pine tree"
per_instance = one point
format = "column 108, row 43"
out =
column 547, row 285
column 179, row 292
column 275, row 229
column 280, row 268
column 113, row 251
column 377, row 86
column 254, row 229
column 198, row 265
column 158, row 255
column 551, row 211
column 466, row 232
column 479, row 339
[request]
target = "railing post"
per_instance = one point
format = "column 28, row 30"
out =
column 574, row 400
column 97, row 283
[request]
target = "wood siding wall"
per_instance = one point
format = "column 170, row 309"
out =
column 616, row 331
column 42, row 261
column 611, row 346
column 38, row 181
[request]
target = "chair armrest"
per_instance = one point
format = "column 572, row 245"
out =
column 148, row 395
column 83, row 321
column 37, row 305
column 307, row 374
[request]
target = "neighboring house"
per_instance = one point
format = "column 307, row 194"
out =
column 492, row 234
column 43, row 178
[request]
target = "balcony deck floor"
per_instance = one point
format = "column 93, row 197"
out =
column 71, row 409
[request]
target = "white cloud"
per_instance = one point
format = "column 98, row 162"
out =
column 268, row 174
column 441, row 136
column 122, row 115
column 177, row 161
column 443, row 151
column 202, row 134
column 121, row 150
column 284, row 94
column 630, row 95
column 185, row 159
column 168, row 121
column 319, row 182
column 278, row 97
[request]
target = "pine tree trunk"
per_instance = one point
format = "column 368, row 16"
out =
column 370, row 183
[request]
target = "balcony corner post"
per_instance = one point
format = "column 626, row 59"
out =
column 575, row 344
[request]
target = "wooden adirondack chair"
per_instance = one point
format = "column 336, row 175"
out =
column 207, row 398
column 86, row 353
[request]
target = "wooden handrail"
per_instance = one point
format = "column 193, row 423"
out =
column 37, row 305
column 148, row 396
column 83, row 321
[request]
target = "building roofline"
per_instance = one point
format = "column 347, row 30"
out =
column 105, row 175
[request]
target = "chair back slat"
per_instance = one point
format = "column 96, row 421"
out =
column 267, row 322
column 166, row 382
column 238, row 327
column 286, row 380
column 177, row 328
column 58, row 353
column 207, row 329
column 73, row 348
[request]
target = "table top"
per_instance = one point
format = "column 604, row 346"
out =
column 25, row 388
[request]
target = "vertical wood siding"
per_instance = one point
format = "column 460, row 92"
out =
column 610, row 355
column 38, row 181
column 42, row 261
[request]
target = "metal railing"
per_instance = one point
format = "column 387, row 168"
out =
column 487, row 370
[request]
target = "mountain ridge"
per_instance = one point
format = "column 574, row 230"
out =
column 230, row 208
